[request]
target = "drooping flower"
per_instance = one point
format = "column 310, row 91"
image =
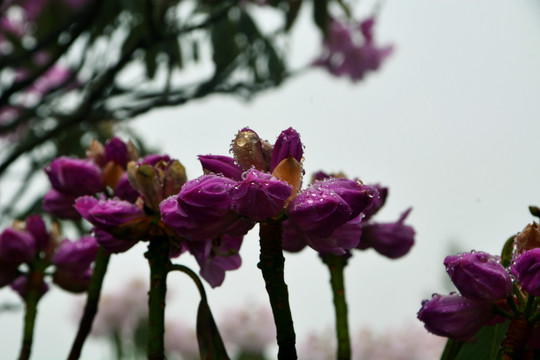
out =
column 455, row 316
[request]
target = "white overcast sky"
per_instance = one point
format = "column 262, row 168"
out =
column 450, row 124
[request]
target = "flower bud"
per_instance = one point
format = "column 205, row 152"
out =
column 20, row 286
column 358, row 196
column 259, row 196
column 528, row 272
column 479, row 276
column 318, row 211
column 8, row 273
column 17, row 246
column 75, row 176
column 377, row 202
column 290, row 171
column 455, row 316
column 248, row 151
column 206, row 197
column 116, row 151
column 112, row 244
column 528, row 239
column 107, row 214
column 76, row 255
column 392, row 240
column 223, row 165
column 60, row 205
column 288, row 144
column 125, row 191
column 36, row 227
column 75, row 281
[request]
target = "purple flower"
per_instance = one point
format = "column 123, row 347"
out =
column 207, row 197
column 76, row 255
column 60, row 204
column 377, row 202
column 393, row 240
column 116, row 151
column 455, row 316
column 8, row 273
column 20, row 284
column 107, row 214
column 217, row 256
column 345, row 56
column 75, row 281
column 125, row 191
column 342, row 239
column 75, row 176
column 224, row 165
column 527, row 269
column 288, row 144
column 112, row 244
column 259, row 196
column 479, row 276
column 17, row 246
column 36, row 227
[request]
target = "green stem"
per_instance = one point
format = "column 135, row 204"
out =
column 158, row 259
column 92, row 301
column 192, row 275
column 336, row 265
column 32, row 295
column 118, row 346
column 272, row 264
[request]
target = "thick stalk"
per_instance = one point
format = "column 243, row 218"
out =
column 92, row 301
column 271, row 264
column 336, row 265
column 158, row 259
column 32, row 295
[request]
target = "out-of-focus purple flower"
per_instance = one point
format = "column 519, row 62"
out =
column 8, row 273
column 479, row 276
column 75, row 281
column 75, row 176
column 217, row 256
column 112, row 244
column 36, row 227
column 393, row 240
column 107, row 214
column 342, row 239
column 60, row 204
column 219, row 164
column 259, row 196
column 527, row 269
column 116, row 151
column 455, row 316
column 76, row 255
column 288, row 144
column 17, row 246
column 345, row 55
column 20, row 285
column 54, row 77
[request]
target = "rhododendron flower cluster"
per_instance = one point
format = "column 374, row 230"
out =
column 490, row 293
column 27, row 249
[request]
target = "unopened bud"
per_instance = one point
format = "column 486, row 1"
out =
column 248, row 151
column 528, row 239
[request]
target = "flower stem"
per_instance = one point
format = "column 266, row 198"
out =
column 272, row 264
column 92, row 301
column 336, row 265
column 33, row 293
column 158, row 259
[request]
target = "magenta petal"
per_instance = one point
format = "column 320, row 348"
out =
column 36, row 226
column 75, row 176
column 288, row 144
column 224, row 165
column 16, row 246
column 76, row 255
column 60, row 205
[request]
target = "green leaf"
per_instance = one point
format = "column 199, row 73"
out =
column 507, row 252
column 486, row 346
column 451, row 350
column 211, row 346
column 225, row 47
